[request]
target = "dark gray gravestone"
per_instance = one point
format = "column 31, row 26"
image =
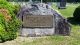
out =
column 62, row 4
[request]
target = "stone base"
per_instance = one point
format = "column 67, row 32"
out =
column 37, row 32
column 61, row 7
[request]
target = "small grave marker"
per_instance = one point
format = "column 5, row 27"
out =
column 62, row 4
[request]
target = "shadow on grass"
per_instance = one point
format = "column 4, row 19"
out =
column 73, row 21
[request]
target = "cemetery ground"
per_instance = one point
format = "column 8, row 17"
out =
column 73, row 39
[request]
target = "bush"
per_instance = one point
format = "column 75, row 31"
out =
column 17, row 8
column 9, row 24
column 76, row 13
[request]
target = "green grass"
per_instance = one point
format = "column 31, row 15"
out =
column 73, row 39
column 66, row 12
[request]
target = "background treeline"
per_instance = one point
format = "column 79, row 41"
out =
column 48, row 0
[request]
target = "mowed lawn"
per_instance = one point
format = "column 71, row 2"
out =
column 73, row 39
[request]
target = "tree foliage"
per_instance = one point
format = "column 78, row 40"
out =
column 76, row 13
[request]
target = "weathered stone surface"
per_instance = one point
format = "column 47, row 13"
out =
column 37, row 31
column 60, row 24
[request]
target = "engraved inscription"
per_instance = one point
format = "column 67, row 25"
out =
column 38, row 21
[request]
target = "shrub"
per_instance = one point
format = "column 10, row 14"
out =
column 17, row 8
column 9, row 24
column 76, row 13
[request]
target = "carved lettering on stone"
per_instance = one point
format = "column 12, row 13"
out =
column 38, row 21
